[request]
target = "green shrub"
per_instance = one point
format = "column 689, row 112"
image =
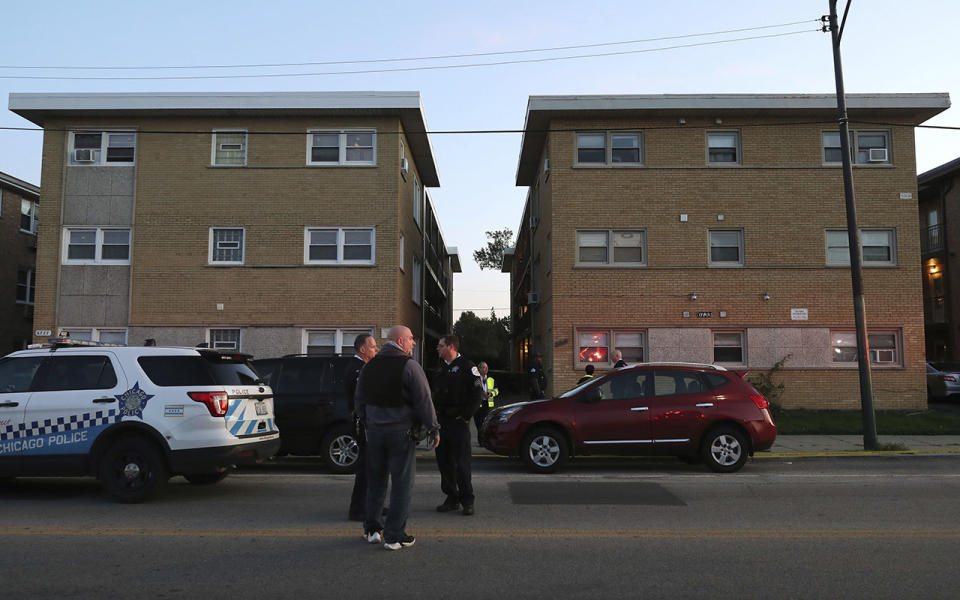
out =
column 765, row 384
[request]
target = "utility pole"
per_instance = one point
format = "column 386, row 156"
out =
column 853, row 235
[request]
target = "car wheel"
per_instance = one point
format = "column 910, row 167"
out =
column 340, row 450
column 544, row 450
column 132, row 469
column 724, row 449
column 206, row 478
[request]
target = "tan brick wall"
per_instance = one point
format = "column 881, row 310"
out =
column 179, row 196
column 783, row 200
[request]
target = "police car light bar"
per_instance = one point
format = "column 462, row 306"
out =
column 62, row 342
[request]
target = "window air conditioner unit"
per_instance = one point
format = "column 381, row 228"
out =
column 533, row 298
column 404, row 165
column 546, row 165
column 878, row 155
column 84, row 155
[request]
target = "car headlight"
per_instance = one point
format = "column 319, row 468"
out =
column 504, row 415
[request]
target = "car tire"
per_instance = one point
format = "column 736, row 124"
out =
column 340, row 449
column 132, row 469
column 544, row 450
column 206, row 478
column 724, row 449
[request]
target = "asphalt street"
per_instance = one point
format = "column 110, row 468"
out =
column 837, row 527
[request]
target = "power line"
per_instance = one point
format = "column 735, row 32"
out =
column 416, row 58
column 407, row 69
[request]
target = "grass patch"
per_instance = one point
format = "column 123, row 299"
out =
column 850, row 422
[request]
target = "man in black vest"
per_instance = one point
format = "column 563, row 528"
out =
column 393, row 401
column 457, row 394
column 365, row 348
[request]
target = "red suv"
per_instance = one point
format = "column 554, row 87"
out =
column 688, row 410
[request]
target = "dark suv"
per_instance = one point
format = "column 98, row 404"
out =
column 311, row 406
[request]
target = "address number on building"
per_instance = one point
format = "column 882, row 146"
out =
column 42, row 333
column 704, row 315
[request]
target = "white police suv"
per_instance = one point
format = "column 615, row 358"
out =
column 132, row 416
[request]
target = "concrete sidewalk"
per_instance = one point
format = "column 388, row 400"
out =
column 825, row 445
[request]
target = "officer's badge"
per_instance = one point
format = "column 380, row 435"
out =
column 455, row 369
column 475, row 372
column 133, row 401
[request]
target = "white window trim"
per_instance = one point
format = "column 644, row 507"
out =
column 854, row 144
column 243, row 250
column 892, row 231
column 898, row 346
column 102, row 152
column 34, row 206
column 609, row 264
column 226, row 328
column 213, row 147
column 726, row 263
column 417, row 281
column 611, row 333
column 98, row 247
column 341, row 238
column 403, row 254
column 95, row 332
column 341, row 346
column 743, row 346
column 417, row 201
column 31, row 280
column 736, row 163
column 342, row 161
column 607, row 149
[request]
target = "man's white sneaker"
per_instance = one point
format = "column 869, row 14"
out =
column 372, row 537
column 407, row 541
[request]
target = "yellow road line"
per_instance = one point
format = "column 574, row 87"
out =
column 492, row 533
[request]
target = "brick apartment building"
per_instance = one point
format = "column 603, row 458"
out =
column 18, row 255
column 711, row 228
column 271, row 223
column 939, row 238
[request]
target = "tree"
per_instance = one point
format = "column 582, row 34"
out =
column 484, row 339
column 491, row 257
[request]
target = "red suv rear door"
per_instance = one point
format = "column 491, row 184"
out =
column 680, row 408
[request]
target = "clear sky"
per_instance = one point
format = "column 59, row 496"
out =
column 888, row 46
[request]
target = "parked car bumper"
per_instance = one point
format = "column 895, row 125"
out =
column 207, row 460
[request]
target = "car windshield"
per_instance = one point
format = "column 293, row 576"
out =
column 577, row 389
column 946, row 366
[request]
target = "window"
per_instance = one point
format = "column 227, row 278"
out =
column 93, row 148
column 728, row 347
column 606, row 148
column 723, row 147
column 866, row 147
column 331, row 341
column 670, row 383
column 341, row 147
column 78, row 372
column 623, row 386
column 403, row 254
column 25, row 286
column 417, row 280
column 417, row 200
column 878, row 247
column 16, row 374
column 226, row 245
column 593, row 346
column 96, row 246
column 224, row 339
column 884, row 347
column 611, row 248
column 630, row 344
column 229, row 148
column 339, row 246
column 96, row 334
column 28, row 216
column 726, row 248
column 596, row 345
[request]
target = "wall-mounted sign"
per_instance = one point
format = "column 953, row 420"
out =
column 799, row 314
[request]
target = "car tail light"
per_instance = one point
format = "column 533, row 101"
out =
column 949, row 378
column 760, row 401
column 216, row 402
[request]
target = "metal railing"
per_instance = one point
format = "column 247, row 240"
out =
column 931, row 239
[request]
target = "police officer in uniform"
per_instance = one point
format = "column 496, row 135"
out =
column 457, row 394
column 365, row 348
column 538, row 379
column 490, row 392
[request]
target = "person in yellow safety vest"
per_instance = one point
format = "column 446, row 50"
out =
column 490, row 392
column 589, row 375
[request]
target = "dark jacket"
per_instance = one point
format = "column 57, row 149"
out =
column 350, row 377
column 411, row 387
column 538, row 382
column 457, row 389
